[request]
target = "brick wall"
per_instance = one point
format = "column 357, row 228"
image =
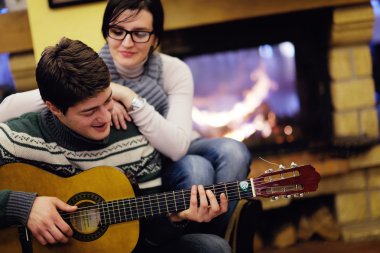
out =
column 353, row 98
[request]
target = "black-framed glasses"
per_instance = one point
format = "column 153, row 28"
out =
column 118, row 33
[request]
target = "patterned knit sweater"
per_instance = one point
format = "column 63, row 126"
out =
column 40, row 139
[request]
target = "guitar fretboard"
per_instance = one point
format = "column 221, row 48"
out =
column 129, row 209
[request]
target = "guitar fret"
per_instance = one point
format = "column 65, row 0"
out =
column 150, row 203
column 102, row 215
column 137, row 208
column 237, row 186
column 175, row 204
column 143, row 206
column 109, row 214
column 184, row 200
column 130, row 208
column 166, row 200
column 158, row 204
column 121, row 204
column 117, row 212
column 112, row 212
column 253, row 187
column 126, row 205
column 225, row 187
column 140, row 208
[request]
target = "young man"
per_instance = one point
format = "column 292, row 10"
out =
column 74, row 134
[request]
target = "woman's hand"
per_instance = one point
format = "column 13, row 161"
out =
column 45, row 223
column 122, row 94
column 120, row 116
column 208, row 208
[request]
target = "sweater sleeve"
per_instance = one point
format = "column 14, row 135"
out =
column 20, row 103
column 171, row 135
column 15, row 207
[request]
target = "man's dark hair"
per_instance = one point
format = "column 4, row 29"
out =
column 69, row 73
column 115, row 8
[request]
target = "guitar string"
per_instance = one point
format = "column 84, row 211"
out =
column 257, row 182
column 187, row 191
column 161, row 196
column 141, row 200
column 139, row 203
column 154, row 210
column 123, row 214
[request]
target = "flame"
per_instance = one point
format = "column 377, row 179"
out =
column 237, row 119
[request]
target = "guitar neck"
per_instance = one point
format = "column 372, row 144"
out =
column 286, row 182
column 129, row 209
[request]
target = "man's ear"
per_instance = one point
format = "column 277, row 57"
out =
column 57, row 112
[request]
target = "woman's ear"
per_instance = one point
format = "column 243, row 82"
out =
column 155, row 43
column 57, row 112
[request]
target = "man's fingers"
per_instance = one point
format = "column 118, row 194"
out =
column 64, row 228
column 40, row 239
column 48, row 237
column 214, row 205
column 58, row 235
column 193, row 197
column 203, row 202
column 223, row 202
column 64, row 206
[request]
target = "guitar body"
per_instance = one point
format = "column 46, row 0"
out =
column 105, row 182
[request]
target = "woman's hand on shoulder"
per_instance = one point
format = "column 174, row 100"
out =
column 120, row 116
column 122, row 94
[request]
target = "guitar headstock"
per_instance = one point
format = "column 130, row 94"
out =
column 287, row 182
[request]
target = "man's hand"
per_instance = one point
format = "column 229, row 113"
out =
column 120, row 116
column 45, row 223
column 205, row 212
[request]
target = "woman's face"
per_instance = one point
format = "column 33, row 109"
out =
column 128, row 53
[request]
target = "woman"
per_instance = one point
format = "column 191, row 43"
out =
column 159, row 102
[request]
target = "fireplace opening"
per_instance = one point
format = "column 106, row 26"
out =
column 247, row 94
column 263, row 80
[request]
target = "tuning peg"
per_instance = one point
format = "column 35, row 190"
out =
column 293, row 165
column 281, row 167
column 274, row 198
column 286, row 196
column 298, row 195
column 268, row 171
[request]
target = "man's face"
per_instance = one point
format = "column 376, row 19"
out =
column 90, row 118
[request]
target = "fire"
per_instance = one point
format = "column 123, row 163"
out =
column 242, row 120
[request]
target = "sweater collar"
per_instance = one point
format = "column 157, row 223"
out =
column 67, row 138
column 131, row 73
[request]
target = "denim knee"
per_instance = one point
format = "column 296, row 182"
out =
column 188, row 171
column 234, row 150
column 202, row 243
column 235, row 160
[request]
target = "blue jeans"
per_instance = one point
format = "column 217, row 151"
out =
column 189, row 243
column 209, row 161
column 198, row 243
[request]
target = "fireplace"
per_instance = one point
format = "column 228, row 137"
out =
column 276, row 65
column 336, row 128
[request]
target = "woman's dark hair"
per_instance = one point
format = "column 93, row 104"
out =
column 115, row 8
column 70, row 72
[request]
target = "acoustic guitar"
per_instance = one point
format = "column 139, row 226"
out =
column 107, row 219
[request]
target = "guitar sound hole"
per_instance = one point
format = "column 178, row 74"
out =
column 85, row 221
